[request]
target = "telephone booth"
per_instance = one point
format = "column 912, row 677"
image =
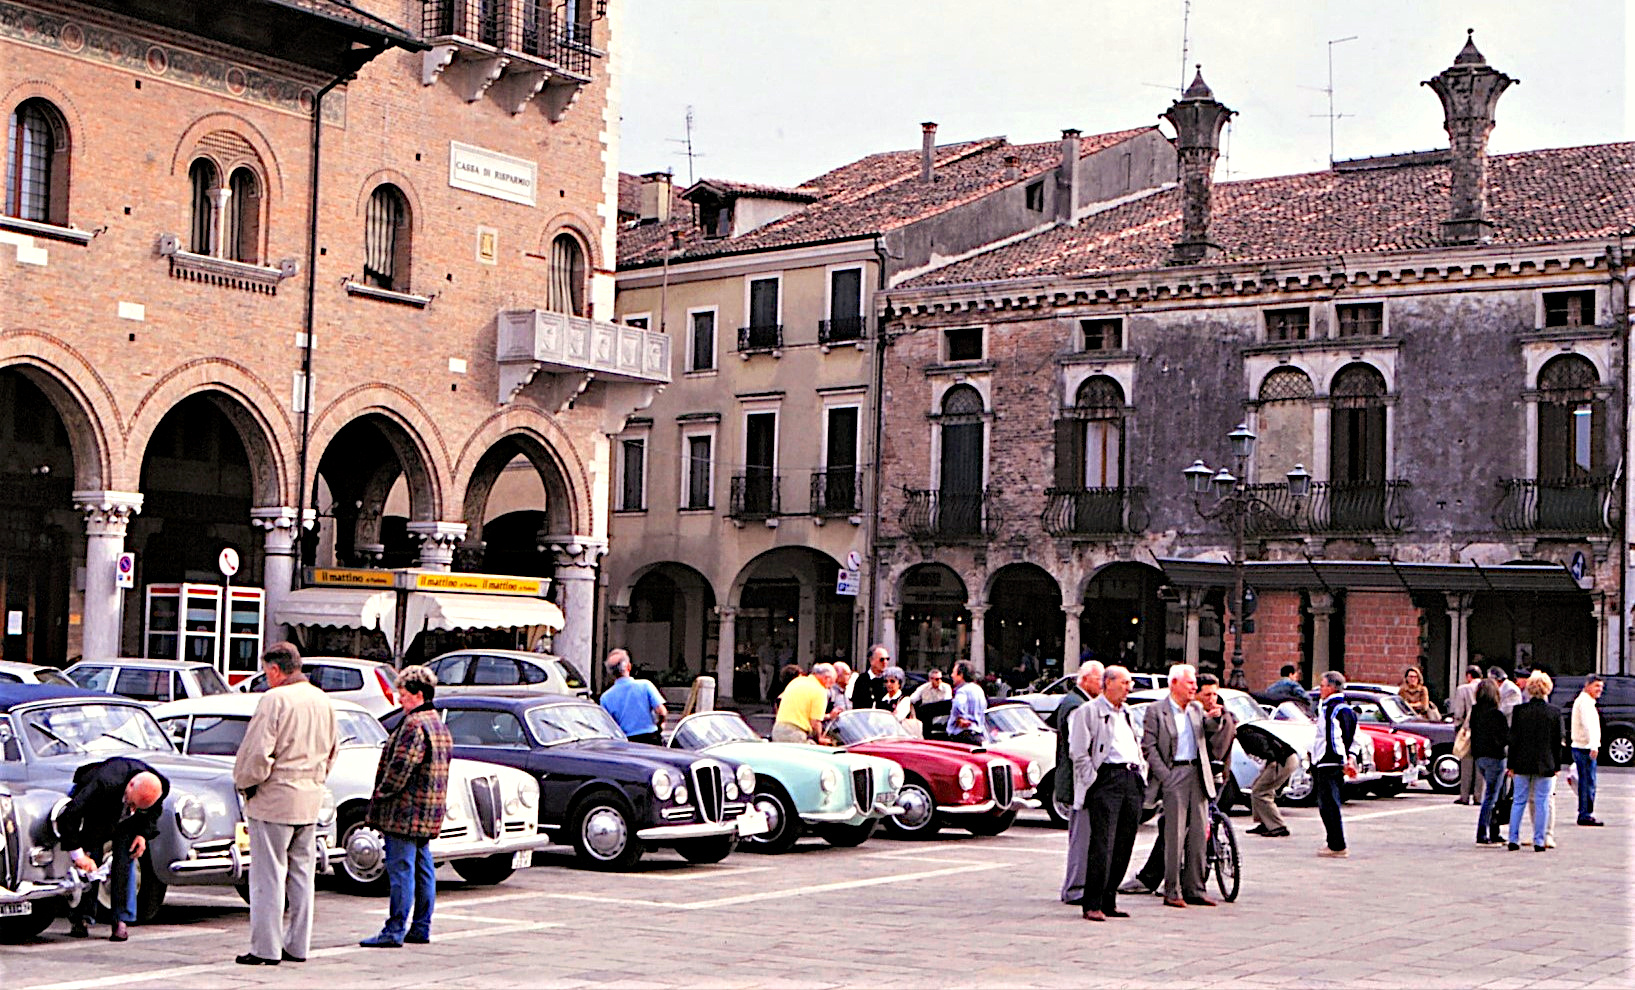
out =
column 196, row 622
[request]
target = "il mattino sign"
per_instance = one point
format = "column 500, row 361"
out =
column 490, row 173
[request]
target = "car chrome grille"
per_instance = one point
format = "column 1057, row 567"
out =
column 11, row 847
column 707, row 796
column 485, row 797
column 453, row 832
column 1000, row 784
column 863, row 789
column 681, row 813
column 518, row 827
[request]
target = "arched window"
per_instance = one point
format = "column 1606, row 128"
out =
column 244, row 216
column 1357, row 426
column 960, row 489
column 1571, row 420
column 1090, row 437
column 567, row 289
column 37, row 164
column 386, row 240
column 1284, row 424
column 204, row 181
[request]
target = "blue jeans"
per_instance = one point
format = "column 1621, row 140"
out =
column 1534, row 791
column 1490, row 769
column 122, row 889
column 414, row 885
column 1586, row 783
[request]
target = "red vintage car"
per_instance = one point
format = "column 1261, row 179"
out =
column 1400, row 757
column 945, row 783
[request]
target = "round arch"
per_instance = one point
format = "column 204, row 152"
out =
column 786, row 611
column 541, row 439
column 667, row 607
column 192, row 138
column 1025, row 628
column 408, row 427
column 933, row 625
column 558, row 514
column 1124, row 619
column 89, row 414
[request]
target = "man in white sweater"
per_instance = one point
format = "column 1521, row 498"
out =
column 1587, row 745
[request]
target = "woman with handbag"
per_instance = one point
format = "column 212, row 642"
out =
column 1487, row 734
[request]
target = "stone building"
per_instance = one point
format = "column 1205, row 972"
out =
column 302, row 279
column 740, row 494
column 1437, row 340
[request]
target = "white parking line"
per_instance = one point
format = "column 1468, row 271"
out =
column 173, row 972
column 698, row 874
column 772, row 895
column 1397, row 811
column 146, row 935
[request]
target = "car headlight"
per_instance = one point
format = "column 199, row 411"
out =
column 829, row 779
column 191, row 816
column 730, row 789
column 746, row 778
column 894, row 777
column 326, row 809
column 664, row 784
column 528, row 793
column 1036, row 773
column 967, row 777
column 681, row 795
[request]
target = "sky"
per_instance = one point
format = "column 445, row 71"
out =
column 783, row 90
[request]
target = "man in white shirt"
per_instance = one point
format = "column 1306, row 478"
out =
column 934, row 689
column 1108, row 784
column 1586, row 745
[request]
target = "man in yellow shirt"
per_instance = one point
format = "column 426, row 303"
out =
column 802, row 705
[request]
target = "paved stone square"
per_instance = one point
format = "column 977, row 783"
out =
column 1417, row 905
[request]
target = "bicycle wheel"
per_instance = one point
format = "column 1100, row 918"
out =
column 1223, row 855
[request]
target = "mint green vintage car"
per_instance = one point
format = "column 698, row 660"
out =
column 800, row 788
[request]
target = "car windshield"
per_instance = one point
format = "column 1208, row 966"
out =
column 1290, row 711
column 555, row 724
column 46, row 675
column 703, row 731
column 97, row 727
column 865, row 725
column 359, row 729
column 1047, row 686
column 210, row 682
column 1010, row 721
column 1243, row 708
column 1396, row 708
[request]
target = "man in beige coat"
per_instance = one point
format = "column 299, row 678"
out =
column 287, row 752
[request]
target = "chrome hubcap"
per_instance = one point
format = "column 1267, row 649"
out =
column 365, row 853
column 1621, row 751
column 605, row 833
column 774, row 818
column 1447, row 769
column 917, row 807
column 1299, row 786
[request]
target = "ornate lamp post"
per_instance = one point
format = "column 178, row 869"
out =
column 1233, row 503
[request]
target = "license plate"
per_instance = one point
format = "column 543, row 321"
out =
column 241, row 836
column 1410, row 774
column 17, row 909
column 752, row 823
column 522, row 860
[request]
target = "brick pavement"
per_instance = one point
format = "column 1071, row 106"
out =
column 1418, row 904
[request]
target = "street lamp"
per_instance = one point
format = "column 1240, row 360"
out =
column 1233, row 503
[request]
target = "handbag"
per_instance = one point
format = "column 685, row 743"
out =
column 1461, row 741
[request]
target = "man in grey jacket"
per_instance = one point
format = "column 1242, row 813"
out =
column 1086, row 688
column 1108, row 783
column 1175, row 745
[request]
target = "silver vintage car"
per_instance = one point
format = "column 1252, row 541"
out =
column 492, row 824
column 51, row 731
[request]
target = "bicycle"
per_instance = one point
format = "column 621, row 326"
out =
column 1221, row 854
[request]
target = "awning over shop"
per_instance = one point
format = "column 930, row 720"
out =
column 452, row 610
column 1375, row 575
column 345, row 608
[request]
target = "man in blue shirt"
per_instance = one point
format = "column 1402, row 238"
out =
column 635, row 704
column 967, row 716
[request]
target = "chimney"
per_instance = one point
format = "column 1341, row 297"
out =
column 1067, row 177
column 1197, row 118
column 1013, row 167
column 656, row 197
column 1469, row 89
column 928, row 147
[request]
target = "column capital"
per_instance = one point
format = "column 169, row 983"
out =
column 726, row 611
column 978, row 610
column 1322, row 602
column 281, row 517
column 107, row 513
column 1459, row 601
column 1073, row 611
column 437, row 542
column 278, row 521
column 573, row 552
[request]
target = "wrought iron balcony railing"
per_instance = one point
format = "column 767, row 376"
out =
column 484, row 21
column 845, row 330
column 760, row 338
column 755, row 495
column 1094, row 511
column 837, row 492
column 949, row 515
column 1332, row 507
column 1580, row 505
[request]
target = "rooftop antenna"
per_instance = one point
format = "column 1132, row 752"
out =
column 1331, row 115
column 687, row 142
column 1186, row 21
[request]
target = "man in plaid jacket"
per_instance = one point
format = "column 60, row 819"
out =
column 408, row 805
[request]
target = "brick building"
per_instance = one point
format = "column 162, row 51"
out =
column 1437, row 341
column 742, row 491
column 299, row 260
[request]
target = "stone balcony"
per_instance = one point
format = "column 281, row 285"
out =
column 576, row 351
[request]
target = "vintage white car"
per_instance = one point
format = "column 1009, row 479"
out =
column 492, row 823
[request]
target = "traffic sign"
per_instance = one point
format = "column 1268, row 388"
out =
column 228, row 561
column 125, row 570
column 1578, row 565
column 849, row 582
column 854, row 560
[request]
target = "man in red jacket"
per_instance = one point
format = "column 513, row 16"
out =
column 408, row 805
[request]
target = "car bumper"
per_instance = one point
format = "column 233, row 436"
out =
column 28, row 890
column 233, row 866
column 680, row 833
column 470, row 849
column 983, row 807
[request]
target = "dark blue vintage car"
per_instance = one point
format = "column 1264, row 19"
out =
column 609, row 797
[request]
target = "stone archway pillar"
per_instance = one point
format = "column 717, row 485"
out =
column 107, row 515
column 438, row 541
column 279, row 547
column 1070, row 638
column 726, row 650
column 578, row 559
column 979, row 637
column 1192, row 601
column 1322, row 613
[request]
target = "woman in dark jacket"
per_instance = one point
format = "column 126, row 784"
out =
column 1535, row 756
column 1489, row 735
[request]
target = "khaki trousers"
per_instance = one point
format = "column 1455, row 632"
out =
column 282, row 861
column 1186, row 832
column 1267, row 786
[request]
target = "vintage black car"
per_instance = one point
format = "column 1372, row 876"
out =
column 609, row 797
column 1385, row 708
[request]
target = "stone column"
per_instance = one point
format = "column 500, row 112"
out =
column 438, row 541
column 888, row 630
column 280, row 546
column 1322, row 609
column 107, row 514
column 726, row 649
column 979, row 638
column 1070, row 638
column 577, row 560
column 1192, row 603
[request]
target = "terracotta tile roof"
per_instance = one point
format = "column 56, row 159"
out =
column 1534, row 196
column 872, row 195
column 727, row 187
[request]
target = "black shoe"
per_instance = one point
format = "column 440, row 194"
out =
column 120, row 932
column 1591, row 822
column 1512, row 846
column 1539, row 849
column 1277, row 833
column 76, row 929
column 1484, row 842
column 413, row 939
column 287, row 957
column 1115, row 913
column 1257, row 830
column 251, row 959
